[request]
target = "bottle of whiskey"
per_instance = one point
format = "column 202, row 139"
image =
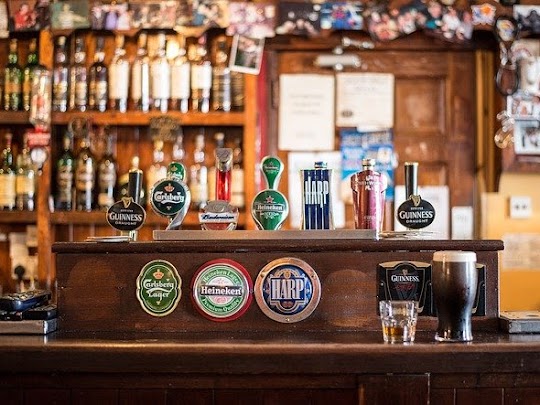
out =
column 219, row 142
column 237, row 175
column 140, row 76
column 107, row 169
column 25, row 182
column 78, row 85
column 65, row 170
column 160, row 72
column 157, row 170
column 97, row 97
column 119, row 77
column 13, row 80
column 180, row 85
column 221, row 77
column 85, row 176
column 60, row 76
column 237, row 90
column 7, row 176
column 201, row 77
column 198, row 174
column 178, row 152
column 32, row 64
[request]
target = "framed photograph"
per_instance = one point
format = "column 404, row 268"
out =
column 527, row 137
column 4, row 33
column 246, row 54
column 299, row 19
column 153, row 14
column 210, row 13
column 528, row 17
column 110, row 15
column 70, row 14
column 23, row 15
column 342, row 16
column 255, row 20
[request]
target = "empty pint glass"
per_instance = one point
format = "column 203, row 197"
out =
column 454, row 278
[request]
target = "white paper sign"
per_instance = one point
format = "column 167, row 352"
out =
column 298, row 161
column 306, row 112
column 365, row 100
column 439, row 197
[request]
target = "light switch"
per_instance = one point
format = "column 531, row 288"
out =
column 520, row 207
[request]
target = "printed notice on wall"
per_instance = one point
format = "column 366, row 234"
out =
column 306, row 112
column 365, row 100
column 521, row 251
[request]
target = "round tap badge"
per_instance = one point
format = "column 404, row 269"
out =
column 221, row 290
column 287, row 290
column 158, row 287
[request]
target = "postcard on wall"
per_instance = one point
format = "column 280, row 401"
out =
column 110, row 15
column 365, row 100
column 153, row 14
column 70, row 14
column 306, row 113
column 527, row 137
column 4, row 33
column 246, row 54
column 305, row 160
column 256, row 20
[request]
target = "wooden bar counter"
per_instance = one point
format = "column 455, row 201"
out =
column 109, row 351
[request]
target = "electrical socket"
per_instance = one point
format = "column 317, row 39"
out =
column 520, row 207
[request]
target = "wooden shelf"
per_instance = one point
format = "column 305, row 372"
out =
column 137, row 118
column 98, row 218
column 18, row 217
column 15, row 117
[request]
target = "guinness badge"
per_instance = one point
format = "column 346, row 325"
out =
column 221, row 290
column 158, row 288
column 287, row 290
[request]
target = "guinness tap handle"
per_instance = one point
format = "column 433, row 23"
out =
column 135, row 185
column 411, row 179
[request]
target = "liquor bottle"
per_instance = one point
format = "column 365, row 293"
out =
column 65, row 170
column 13, row 80
column 221, row 77
column 201, row 77
column 178, row 152
column 368, row 188
column 60, row 76
column 140, row 76
column 237, row 175
column 32, row 64
column 157, row 170
column 119, row 77
column 219, row 142
column 237, row 90
column 25, row 182
column 85, row 176
column 123, row 182
column 198, row 174
column 78, row 84
column 97, row 97
column 180, row 75
column 7, row 176
column 107, row 168
column 160, row 73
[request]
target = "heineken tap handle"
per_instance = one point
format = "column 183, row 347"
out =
column 272, row 168
column 135, row 185
column 411, row 179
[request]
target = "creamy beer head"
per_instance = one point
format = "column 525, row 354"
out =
column 454, row 256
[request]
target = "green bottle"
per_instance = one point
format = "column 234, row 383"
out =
column 65, row 169
column 32, row 64
column 13, row 80
column 7, row 176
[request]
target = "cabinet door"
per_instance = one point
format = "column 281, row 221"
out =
column 393, row 389
column 434, row 112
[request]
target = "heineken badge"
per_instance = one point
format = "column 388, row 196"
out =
column 159, row 288
column 126, row 215
column 287, row 290
column 269, row 209
column 221, row 290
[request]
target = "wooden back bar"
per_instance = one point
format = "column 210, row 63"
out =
column 97, row 281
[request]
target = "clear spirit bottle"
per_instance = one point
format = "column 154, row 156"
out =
column 60, row 76
column 198, row 174
column 13, row 80
column 201, row 77
column 85, row 176
column 97, row 98
column 78, row 83
column 65, row 170
column 221, row 80
column 158, row 170
column 25, row 182
column 7, row 176
column 107, row 173
column 119, row 77
column 140, row 76
column 160, row 73
column 180, row 78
